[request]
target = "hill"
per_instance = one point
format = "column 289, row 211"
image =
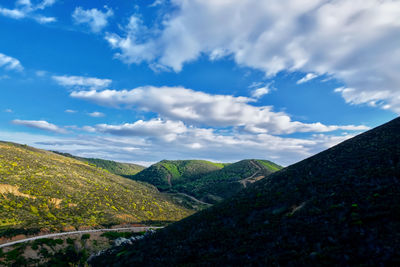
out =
column 40, row 189
column 168, row 173
column 118, row 168
column 206, row 181
column 226, row 182
column 339, row 207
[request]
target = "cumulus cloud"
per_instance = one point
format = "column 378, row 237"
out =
column 80, row 81
column 25, row 9
column 202, row 109
column 10, row 63
column 42, row 125
column 354, row 41
column 308, row 77
column 95, row 18
column 96, row 114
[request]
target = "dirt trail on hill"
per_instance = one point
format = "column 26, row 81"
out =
column 252, row 178
column 193, row 198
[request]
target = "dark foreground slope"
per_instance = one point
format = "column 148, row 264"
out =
column 118, row 168
column 341, row 206
column 40, row 189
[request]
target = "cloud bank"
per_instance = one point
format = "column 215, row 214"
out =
column 356, row 42
column 202, row 109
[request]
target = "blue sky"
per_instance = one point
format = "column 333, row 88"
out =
column 223, row 80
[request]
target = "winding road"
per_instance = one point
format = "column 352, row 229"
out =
column 134, row 229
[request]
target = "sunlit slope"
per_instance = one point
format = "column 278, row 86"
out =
column 340, row 207
column 43, row 189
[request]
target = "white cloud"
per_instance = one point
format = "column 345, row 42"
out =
column 44, row 20
column 145, row 141
column 79, row 81
column 25, row 9
column 157, row 3
column 45, row 3
column 42, row 125
column 96, row 114
column 157, row 139
column 10, row 63
column 308, row 77
column 12, row 13
column 202, row 109
column 354, row 41
column 95, row 18
column 8, row 110
column 259, row 92
column 70, row 111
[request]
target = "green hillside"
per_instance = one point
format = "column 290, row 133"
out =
column 118, row 168
column 207, row 181
column 41, row 189
column 168, row 173
column 223, row 183
column 340, row 207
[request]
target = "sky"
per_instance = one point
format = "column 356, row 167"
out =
column 223, row 80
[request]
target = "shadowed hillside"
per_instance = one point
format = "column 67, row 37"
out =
column 339, row 207
column 226, row 182
column 40, row 189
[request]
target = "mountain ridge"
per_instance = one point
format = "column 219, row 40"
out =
column 340, row 206
column 115, row 167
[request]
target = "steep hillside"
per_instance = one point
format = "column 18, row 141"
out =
column 223, row 183
column 118, row 168
column 40, row 189
column 168, row 173
column 339, row 207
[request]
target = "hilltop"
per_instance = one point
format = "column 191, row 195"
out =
column 207, row 181
column 118, row 168
column 339, row 207
column 168, row 173
column 43, row 190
